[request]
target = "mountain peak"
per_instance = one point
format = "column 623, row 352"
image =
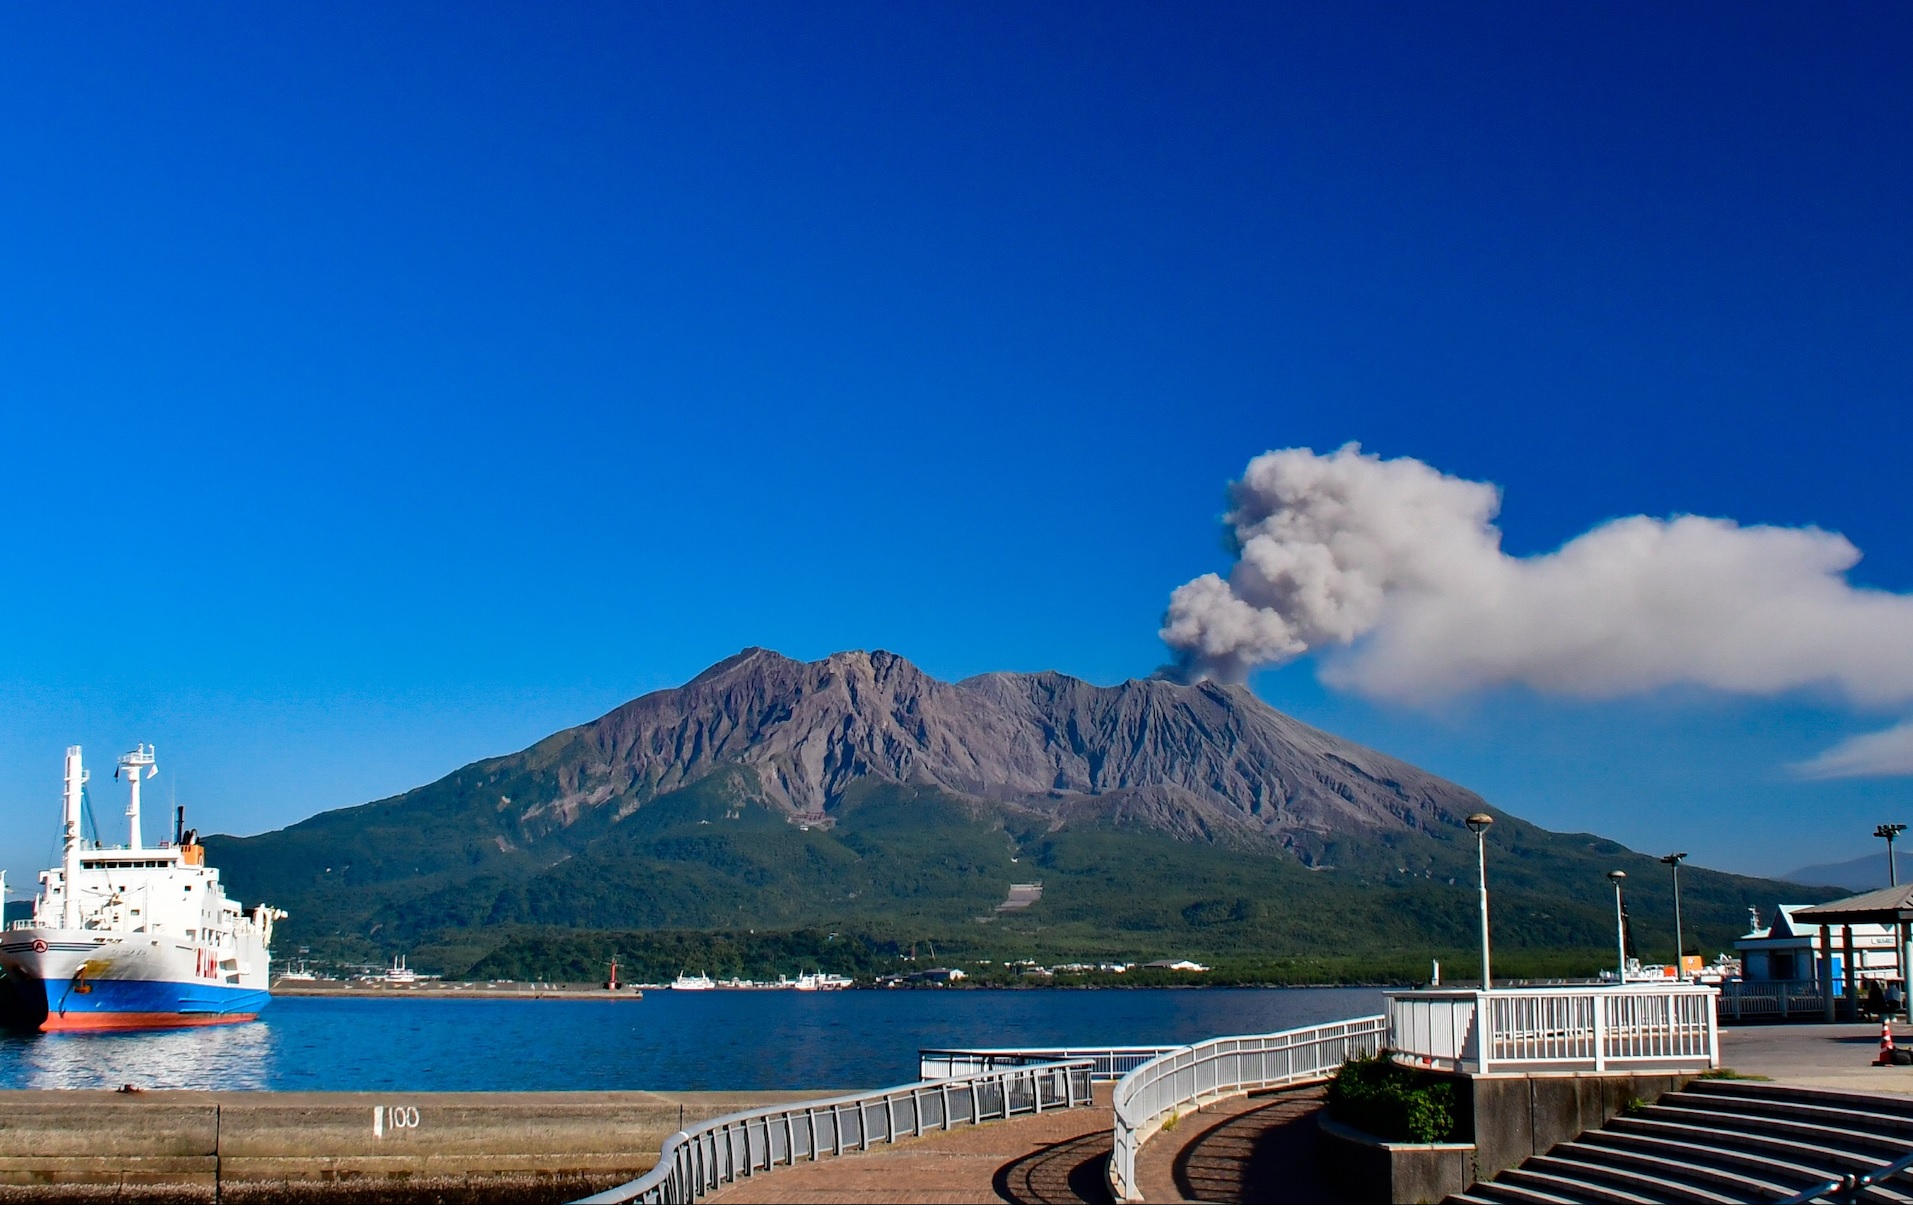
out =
column 1195, row 759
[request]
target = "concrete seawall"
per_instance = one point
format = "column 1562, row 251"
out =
column 340, row 1146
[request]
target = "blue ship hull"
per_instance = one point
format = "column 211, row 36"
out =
column 98, row 1004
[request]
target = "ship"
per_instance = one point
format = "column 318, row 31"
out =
column 132, row 936
column 687, row 982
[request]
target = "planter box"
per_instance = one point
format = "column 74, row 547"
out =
column 1374, row 1171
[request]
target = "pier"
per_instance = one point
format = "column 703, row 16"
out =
column 65, row 1146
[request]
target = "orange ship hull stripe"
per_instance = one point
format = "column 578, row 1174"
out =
column 100, row 1022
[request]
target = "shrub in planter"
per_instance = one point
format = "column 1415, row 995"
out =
column 1391, row 1101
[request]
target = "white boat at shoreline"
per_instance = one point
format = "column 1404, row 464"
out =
column 687, row 982
column 132, row 936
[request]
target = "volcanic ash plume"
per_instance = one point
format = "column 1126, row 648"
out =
column 1395, row 570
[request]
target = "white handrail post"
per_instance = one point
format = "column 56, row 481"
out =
column 1600, row 1031
column 1484, row 1044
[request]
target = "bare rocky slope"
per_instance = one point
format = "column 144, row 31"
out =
column 857, row 792
column 1199, row 761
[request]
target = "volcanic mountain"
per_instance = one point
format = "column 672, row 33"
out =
column 859, row 791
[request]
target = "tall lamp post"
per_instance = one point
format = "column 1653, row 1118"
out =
column 1620, row 927
column 1479, row 824
column 1887, row 832
column 1674, row 859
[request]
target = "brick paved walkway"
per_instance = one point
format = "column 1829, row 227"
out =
column 1250, row 1150
column 1056, row 1158
column 1256, row 1149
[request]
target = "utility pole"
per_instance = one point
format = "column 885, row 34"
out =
column 1479, row 824
column 1673, row 860
column 1620, row 927
column 1887, row 832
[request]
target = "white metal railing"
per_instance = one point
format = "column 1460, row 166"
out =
column 1783, row 999
column 1192, row 1075
column 1654, row 1027
column 1108, row 1064
column 730, row 1148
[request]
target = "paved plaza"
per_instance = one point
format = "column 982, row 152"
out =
column 1834, row 1056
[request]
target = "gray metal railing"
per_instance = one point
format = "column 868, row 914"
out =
column 726, row 1149
column 1192, row 1075
column 1110, row 1063
column 1801, row 997
column 1846, row 1189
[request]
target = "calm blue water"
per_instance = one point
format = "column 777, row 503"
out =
column 675, row 1041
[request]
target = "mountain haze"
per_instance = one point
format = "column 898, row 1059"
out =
column 857, row 791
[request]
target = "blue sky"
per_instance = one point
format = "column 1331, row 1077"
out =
column 382, row 387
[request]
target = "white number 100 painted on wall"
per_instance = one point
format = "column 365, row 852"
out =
column 394, row 1117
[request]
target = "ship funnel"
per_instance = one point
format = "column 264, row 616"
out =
column 135, row 763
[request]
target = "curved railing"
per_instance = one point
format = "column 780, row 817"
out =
column 726, row 1149
column 1193, row 1075
column 1107, row 1064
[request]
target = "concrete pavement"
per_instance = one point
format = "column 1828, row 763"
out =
column 1833, row 1056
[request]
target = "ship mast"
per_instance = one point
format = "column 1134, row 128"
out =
column 70, row 874
column 131, row 763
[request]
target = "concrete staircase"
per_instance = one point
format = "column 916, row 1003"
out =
column 1727, row 1142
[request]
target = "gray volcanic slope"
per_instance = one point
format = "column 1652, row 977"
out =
column 1201, row 761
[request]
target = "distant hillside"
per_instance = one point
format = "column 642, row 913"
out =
column 1861, row 873
column 857, row 793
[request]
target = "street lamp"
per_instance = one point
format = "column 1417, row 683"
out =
column 1887, row 831
column 1479, row 824
column 1620, row 926
column 1674, row 860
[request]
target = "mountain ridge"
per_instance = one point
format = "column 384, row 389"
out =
column 1202, row 759
column 857, row 791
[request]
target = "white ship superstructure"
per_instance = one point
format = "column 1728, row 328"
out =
column 132, row 936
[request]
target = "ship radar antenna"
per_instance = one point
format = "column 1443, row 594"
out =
column 138, row 765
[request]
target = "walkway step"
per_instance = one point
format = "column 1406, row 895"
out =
column 1895, row 1125
column 1762, row 1168
column 1760, row 1089
column 1817, row 1156
column 1580, row 1191
column 1655, row 1189
column 1832, row 1136
column 1497, row 1193
column 1706, row 1170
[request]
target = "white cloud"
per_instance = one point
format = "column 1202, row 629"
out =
column 1886, row 753
column 1395, row 572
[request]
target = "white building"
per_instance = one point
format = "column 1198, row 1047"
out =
column 1787, row 950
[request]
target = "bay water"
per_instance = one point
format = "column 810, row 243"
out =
column 666, row 1041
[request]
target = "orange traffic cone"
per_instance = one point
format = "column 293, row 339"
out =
column 1886, row 1045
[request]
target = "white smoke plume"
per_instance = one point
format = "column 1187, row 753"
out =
column 1886, row 753
column 1395, row 570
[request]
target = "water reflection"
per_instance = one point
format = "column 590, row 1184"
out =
column 235, row 1057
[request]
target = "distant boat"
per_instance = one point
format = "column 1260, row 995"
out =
column 399, row 975
column 819, row 981
column 685, row 982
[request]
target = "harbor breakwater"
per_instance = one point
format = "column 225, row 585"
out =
column 331, row 1147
